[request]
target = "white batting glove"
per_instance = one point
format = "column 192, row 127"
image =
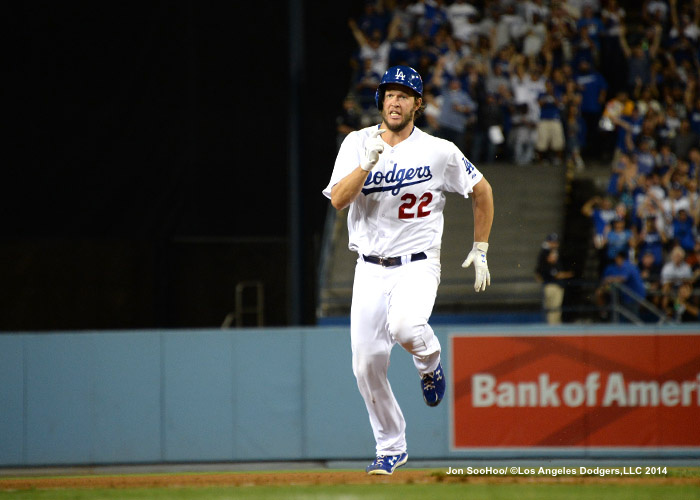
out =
column 374, row 146
column 478, row 257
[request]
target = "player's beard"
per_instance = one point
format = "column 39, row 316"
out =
column 405, row 121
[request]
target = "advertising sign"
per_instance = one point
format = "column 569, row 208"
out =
column 575, row 391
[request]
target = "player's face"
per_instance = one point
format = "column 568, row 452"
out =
column 399, row 108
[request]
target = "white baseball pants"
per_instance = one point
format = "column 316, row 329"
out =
column 391, row 305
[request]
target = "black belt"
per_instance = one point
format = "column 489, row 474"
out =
column 392, row 261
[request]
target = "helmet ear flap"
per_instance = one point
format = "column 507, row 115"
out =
column 379, row 98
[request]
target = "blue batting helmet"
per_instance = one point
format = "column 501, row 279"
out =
column 401, row 75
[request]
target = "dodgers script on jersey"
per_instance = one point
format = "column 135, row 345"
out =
column 402, row 198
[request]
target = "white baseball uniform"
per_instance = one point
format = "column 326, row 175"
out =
column 398, row 214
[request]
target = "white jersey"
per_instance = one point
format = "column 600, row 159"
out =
column 399, row 211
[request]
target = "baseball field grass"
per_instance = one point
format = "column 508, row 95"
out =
column 678, row 483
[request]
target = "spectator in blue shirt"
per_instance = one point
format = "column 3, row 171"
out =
column 602, row 211
column 456, row 109
column 624, row 272
column 584, row 48
column 593, row 96
column 652, row 241
column 694, row 116
column 488, row 132
column 645, row 156
column 592, row 23
column 408, row 53
column 629, row 126
column 618, row 239
column 693, row 163
column 433, row 19
column 373, row 18
column 639, row 59
column 366, row 82
column 611, row 56
column 666, row 159
column 550, row 128
column 684, row 230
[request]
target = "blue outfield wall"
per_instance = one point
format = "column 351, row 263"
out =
column 160, row 396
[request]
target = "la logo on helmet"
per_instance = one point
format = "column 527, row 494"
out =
column 399, row 74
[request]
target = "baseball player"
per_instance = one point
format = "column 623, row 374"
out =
column 393, row 177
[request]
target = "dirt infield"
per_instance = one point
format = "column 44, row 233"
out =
column 308, row 478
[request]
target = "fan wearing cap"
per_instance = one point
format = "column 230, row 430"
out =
column 393, row 177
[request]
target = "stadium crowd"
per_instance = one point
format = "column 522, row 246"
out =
column 564, row 81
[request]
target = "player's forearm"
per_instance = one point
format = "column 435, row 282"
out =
column 349, row 187
column 482, row 207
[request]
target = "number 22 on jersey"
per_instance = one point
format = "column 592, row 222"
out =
column 409, row 210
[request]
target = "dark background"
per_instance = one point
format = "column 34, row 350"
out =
column 150, row 159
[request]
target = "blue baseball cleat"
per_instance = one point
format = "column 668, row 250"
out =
column 433, row 385
column 386, row 464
